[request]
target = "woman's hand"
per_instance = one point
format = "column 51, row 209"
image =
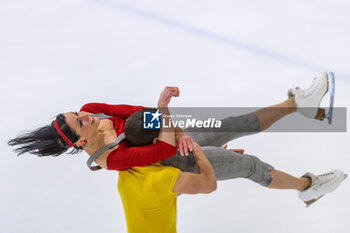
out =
column 184, row 143
column 166, row 96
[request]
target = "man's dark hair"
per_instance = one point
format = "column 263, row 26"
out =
column 135, row 134
column 46, row 141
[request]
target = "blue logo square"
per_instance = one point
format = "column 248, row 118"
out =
column 151, row 119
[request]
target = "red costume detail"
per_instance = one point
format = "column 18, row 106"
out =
column 124, row 156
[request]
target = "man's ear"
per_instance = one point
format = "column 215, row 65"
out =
column 155, row 140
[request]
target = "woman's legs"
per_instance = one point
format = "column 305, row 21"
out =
column 230, row 165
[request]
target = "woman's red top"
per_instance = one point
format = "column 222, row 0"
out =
column 124, row 156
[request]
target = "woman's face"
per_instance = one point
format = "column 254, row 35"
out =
column 83, row 124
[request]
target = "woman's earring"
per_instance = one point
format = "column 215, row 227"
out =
column 85, row 144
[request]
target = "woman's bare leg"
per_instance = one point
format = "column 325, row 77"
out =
column 269, row 115
column 282, row 180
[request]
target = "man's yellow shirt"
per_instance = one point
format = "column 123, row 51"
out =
column 148, row 198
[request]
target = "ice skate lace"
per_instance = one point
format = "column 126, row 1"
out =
column 324, row 180
column 309, row 91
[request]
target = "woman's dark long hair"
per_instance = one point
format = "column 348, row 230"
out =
column 46, row 141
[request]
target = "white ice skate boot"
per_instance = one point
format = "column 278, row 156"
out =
column 321, row 185
column 308, row 100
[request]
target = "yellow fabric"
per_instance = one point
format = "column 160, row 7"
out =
column 148, row 198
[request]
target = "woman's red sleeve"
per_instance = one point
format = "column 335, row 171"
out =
column 122, row 159
column 120, row 110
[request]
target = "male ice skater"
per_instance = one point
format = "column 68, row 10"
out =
column 149, row 193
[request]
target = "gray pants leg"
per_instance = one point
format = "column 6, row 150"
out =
column 227, row 164
column 235, row 127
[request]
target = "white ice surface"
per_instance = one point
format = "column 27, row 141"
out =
column 57, row 55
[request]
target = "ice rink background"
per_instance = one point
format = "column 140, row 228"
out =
column 56, row 56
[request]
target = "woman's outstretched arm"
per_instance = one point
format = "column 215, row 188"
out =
column 117, row 110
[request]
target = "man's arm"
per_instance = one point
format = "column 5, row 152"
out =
column 167, row 135
column 203, row 182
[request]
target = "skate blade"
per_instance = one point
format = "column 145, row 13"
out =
column 321, row 112
column 308, row 203
column 331, row 89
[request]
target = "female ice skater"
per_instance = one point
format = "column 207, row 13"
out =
column 102, row 137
